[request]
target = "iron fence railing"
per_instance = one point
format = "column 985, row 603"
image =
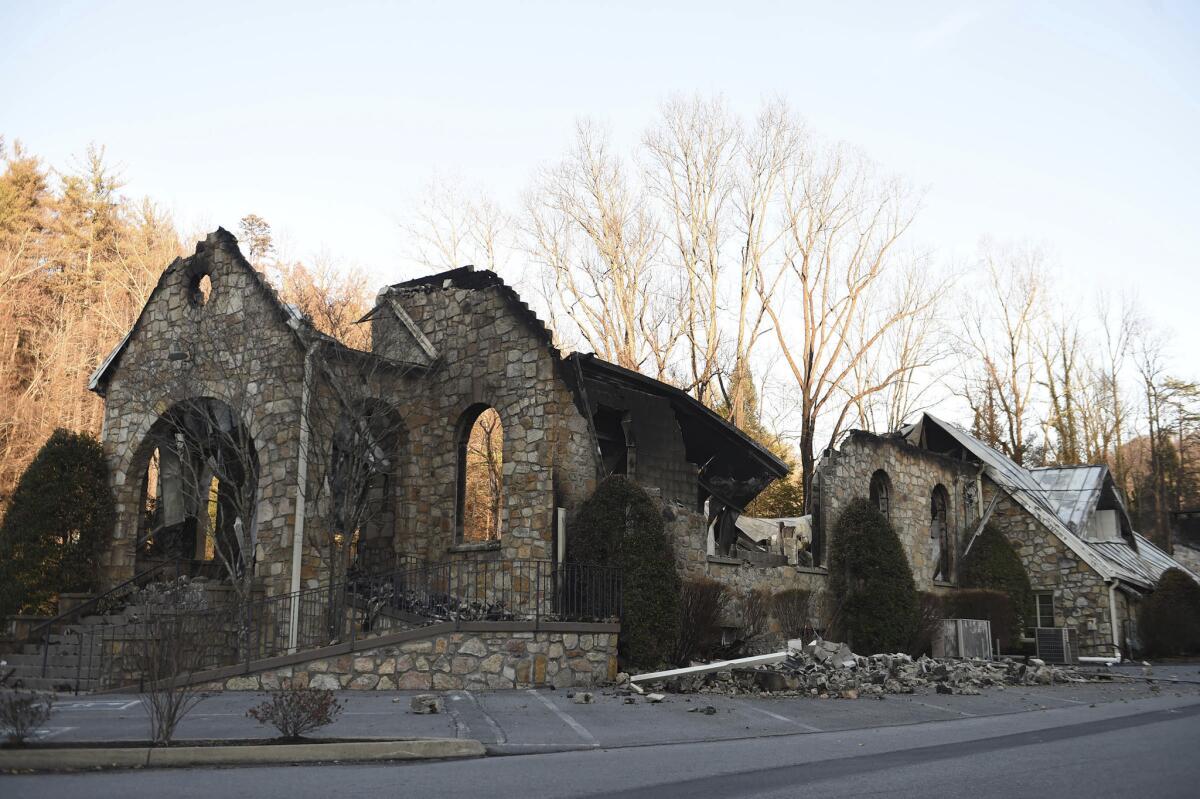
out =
column 361, row 606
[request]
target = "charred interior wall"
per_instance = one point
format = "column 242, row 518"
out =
column 657, row 457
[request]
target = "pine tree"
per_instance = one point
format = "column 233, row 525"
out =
column 61, row 513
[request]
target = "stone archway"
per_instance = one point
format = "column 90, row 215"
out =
column 194, row 478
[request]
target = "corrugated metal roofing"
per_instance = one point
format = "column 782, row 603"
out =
column 1026, row 490
column 1064, row 498
column 1072, row 491
column 1148, row 562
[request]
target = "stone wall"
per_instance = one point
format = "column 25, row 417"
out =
column 237, row 348
column 688, row 531
column 453, row 661
column 489, row 355
column 845, row 475
column 1081, row 598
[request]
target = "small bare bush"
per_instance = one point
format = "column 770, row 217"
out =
column 164, row 654
column 793, row 610
column 756, row 613
column 702, row 602
column 296, row 711
column 22, row 712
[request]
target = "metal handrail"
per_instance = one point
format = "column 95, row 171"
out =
column 42, row 632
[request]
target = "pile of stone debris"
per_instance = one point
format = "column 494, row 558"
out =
column 825, row 669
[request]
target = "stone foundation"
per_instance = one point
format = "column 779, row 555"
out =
column 453, row 661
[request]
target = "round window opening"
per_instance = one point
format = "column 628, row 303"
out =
column 201, row 289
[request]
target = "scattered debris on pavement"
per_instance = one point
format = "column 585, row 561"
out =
column 826, row 669
column 426, row 703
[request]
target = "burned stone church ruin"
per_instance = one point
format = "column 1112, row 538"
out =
column 277, row 459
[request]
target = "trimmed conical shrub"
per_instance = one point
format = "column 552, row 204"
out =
column 992, row 563
column 875, row 598
column 620, row 525
column 1170, row 617
column 61, row 513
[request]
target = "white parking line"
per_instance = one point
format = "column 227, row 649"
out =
column 1059, row 698
column 580, row 730
column 501, row 738
column 97, row 705
column 49, row 732
column 947, row 709
column 778, row 717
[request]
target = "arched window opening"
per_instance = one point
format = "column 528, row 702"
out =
column 881, row 493
column 480, row 476
column 817, row 545
column 939, row 526
column 198, row 489
column 207, row 547
column 151, row 508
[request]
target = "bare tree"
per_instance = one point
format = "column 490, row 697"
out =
column 354, row 459
column 692, row 156
column 843, row 223
column 596, row 238
column 999, row 327
column 165, row 654
column 452, row 225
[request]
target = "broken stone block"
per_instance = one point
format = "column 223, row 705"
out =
column 583, row 698
column 655, row 698
column 426, row 704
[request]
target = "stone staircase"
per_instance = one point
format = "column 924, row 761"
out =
column 72, row 659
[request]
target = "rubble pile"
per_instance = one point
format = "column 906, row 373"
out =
column 826, row 669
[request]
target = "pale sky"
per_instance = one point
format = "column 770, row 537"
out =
column 1072, row 125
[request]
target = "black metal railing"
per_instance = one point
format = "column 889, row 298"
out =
column 362, row 606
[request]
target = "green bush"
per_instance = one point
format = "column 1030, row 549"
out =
column 1170, row 617
column 702, row 603
column 620, row 525
column 993, row 563
column 61, row 514
column 871, row 581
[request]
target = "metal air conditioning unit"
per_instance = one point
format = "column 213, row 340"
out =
column 1057, row 645
column 963, row 638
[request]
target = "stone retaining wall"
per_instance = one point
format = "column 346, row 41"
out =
column 453, row 661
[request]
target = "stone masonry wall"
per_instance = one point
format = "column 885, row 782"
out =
column 489, row 356
column 455, row 661
column 1080, row 595
column 235, row 348
column 688, row 530
column 845, row 475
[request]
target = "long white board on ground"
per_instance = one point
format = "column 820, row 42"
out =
column 706, row 668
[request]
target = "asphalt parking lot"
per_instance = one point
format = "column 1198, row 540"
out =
column 524, row 721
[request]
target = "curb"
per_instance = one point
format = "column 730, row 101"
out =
column 67, row 759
